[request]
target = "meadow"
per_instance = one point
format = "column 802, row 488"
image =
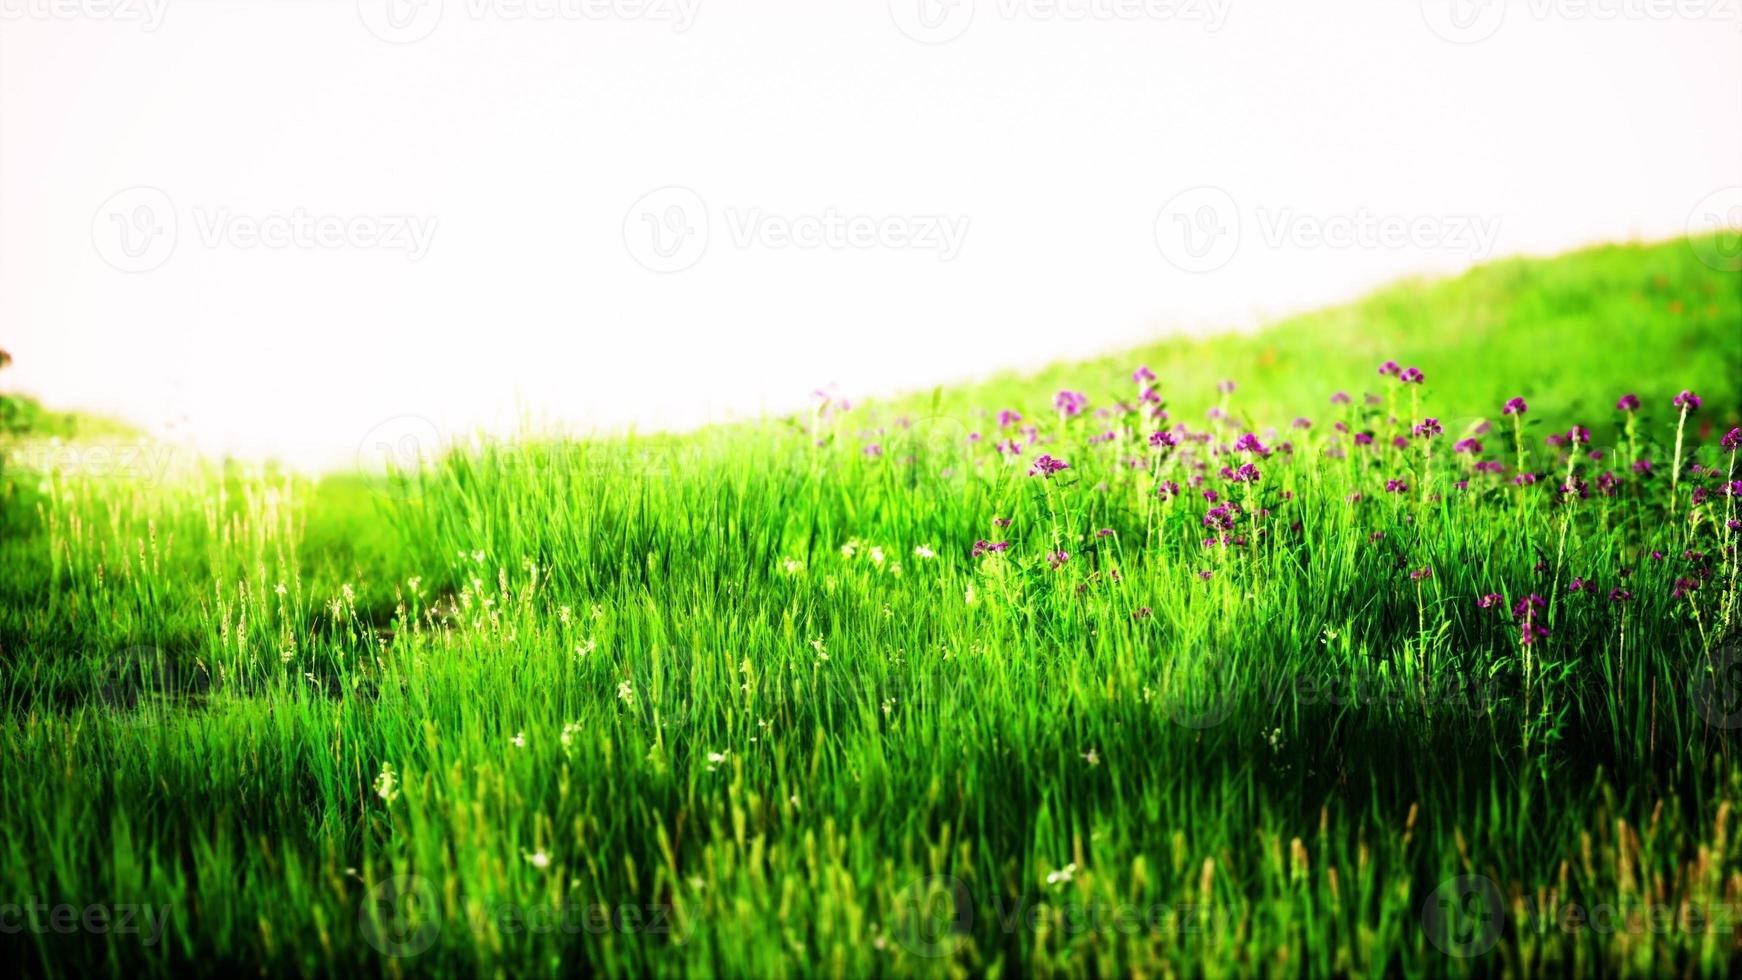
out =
column 1399, row 638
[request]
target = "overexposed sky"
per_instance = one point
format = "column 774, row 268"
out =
column 285, row 224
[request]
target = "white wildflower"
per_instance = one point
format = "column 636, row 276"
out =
column 1092, row 757
column 924, row 551
column 792, row 565
column 625, row 693
column 1062, row 875
column 387, row 783
column 519, row 740
column 539, row 859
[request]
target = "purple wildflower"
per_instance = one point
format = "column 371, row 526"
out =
column 1628, row 403
column 1340, row 398
column 1070, row 402
column 1046, row 466
column 1390, row 369
column 1428, row 428
column 1514, row 406
column 1412, row 376
column 1471, row 446
column 1142, row 374
column 1687, row 401
column 1732, row 440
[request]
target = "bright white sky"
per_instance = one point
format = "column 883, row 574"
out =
column 1044, row 178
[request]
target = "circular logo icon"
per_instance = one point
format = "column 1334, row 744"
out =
column 400, row 21
column 1464, row 21
column 932, row 451
column 1198, row 230
column 400, row 916
column 1464, row 916
column 1715, row 227
column 1718, row 688
column 135, row 229
column 394, row 453
column 667, row 230
column 932, row 916
column 1200, row 687
column 932, row 21
column 134, row 678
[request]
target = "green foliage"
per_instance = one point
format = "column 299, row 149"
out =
column 747, row 702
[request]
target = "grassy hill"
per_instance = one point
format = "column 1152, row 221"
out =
column 884, row 689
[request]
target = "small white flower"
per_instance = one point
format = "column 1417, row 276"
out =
column 876, row 555
column 564, row 614
column 817, row 645
column 1092, row 757
column 571, row 731
column 849, row 549
column 539, row 859
column 969, row 596
column 387, row 783
column 519, row 740
column 280, row 589
column 792, row 565
column 716, row 760
column 923, row 551
column 478, row 556
column 1062, row 875
column 415, row 584
column 625, row 693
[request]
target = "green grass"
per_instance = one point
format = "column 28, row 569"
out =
column 763, row 735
